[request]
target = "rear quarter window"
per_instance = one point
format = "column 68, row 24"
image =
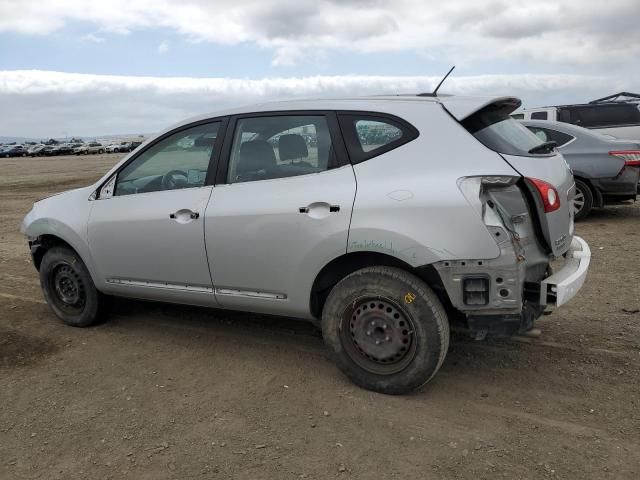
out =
column 368, row 135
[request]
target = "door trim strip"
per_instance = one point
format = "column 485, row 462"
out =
column 249, row 293
column 164, row 285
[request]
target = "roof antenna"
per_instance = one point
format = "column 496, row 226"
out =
column 435, row 91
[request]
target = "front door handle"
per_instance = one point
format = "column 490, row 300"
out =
column 184, row 215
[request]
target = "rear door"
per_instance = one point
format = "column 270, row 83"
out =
column 279, row 212
column 492, row 125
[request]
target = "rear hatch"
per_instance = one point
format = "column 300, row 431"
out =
column 547, row 179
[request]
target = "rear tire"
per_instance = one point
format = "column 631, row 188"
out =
column 385, row 329
column 69, row 289
column 583, row 201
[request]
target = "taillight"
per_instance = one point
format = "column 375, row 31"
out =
column 631, row 157
column 548, row 194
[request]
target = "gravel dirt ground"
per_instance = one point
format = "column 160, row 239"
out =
column 164, row 391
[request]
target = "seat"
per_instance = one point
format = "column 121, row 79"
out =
column 292, row 147
column 256, row 161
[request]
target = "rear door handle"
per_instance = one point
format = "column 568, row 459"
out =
column 332, row 209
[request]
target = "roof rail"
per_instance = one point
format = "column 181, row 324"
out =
column 619, row 97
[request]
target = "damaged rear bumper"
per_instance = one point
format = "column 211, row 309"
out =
column 563, row 285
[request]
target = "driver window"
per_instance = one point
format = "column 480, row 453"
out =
column 179, row 161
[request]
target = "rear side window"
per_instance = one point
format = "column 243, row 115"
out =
column 539, row 116
column 518, row 116
column 496, row 130
column 593, row 116
column 368, row 135
column 279, row 146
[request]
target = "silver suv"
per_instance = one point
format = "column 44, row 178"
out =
column 386, row 220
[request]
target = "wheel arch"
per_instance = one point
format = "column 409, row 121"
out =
column 598, row 199
column 341, row 266
column 46, row 242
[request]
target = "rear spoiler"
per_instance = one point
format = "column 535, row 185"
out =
column 463, row 107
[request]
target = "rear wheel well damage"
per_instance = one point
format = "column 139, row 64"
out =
column 42, row 244
column 346, row 264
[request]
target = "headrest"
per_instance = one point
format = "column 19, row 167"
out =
column 204, row 141
column 292, row 146
column 256, row 155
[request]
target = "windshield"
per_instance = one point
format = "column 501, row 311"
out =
column 497, row 130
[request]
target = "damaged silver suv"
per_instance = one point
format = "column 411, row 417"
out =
column 386, row 220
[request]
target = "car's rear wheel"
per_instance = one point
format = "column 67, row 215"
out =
column 69, row 289
column 583, row 201
column 385, row 329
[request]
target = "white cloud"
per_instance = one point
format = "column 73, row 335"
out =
column 90, row 37
column 586, row 34
column 163, row 47
column 47, row 103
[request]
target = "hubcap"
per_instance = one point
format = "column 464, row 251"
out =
column 378, row 335
column 578, row 201
column 68, row 287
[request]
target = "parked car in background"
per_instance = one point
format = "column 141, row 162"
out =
column 80, row 150
column 14, row 151
column 35, row 150
column 89, row 148
column 48, row 150
column 62, row 149
column 605, row 169
column 458, row 212
column 619, row 119
column 125, row 147
column 112, row 148
column 95, row 147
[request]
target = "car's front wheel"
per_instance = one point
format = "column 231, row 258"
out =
column 385, row 329
column 69, row 289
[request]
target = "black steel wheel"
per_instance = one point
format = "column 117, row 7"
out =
column 385, row 329
column 380, row 335
column 69, row 289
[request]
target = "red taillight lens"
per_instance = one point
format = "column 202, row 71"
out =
column 631, row 157
column 548, row 194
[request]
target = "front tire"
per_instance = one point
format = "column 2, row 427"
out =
column 385, row 329
column 583, row 201
column 69, row 289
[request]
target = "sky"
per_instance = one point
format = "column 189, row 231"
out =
column 91, row 68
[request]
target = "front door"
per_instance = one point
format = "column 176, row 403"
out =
column 146, row 231
column 280, row 212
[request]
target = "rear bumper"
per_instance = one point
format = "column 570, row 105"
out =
column 563, row 285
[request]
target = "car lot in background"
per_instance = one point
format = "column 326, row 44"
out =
column 606, row 169
column 76, row 147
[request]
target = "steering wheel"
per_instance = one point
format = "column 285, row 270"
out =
column 170, row 182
